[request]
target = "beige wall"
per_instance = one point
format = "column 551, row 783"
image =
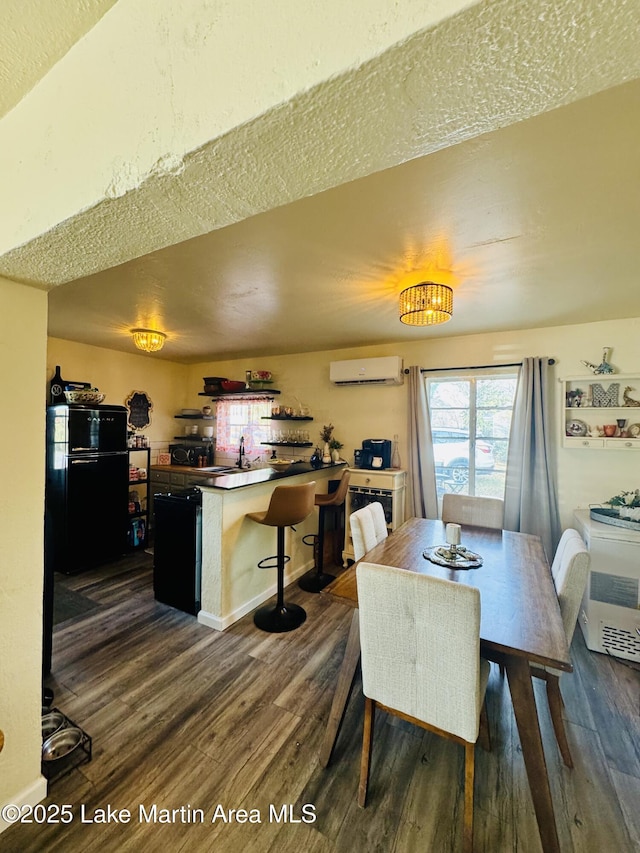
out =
column 380, row 412
column 23, row 324
column 117, row 374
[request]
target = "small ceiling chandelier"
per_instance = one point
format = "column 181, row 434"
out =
column 148, row 340
column 426, row 304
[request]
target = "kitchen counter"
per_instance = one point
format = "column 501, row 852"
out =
column 232, row 544
column 239, row 479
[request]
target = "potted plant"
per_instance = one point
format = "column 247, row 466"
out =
column 627, row 504
column 325, row 435
column 335, row 446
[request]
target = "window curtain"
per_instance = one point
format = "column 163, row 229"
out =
column 235, row 418
column 423, row 499
column 530, row 501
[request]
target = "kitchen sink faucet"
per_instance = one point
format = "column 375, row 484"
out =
column 240, row 461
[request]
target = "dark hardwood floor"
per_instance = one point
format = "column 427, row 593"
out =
column 185, row 718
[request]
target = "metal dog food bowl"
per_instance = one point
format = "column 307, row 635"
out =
column 51, row 722
column 61, row 743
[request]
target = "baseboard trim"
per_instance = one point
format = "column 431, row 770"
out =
column 30, row 796
column 219, row 623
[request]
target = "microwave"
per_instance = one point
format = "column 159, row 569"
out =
column 187, row 454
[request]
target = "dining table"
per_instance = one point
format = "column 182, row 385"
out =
column 520, row 624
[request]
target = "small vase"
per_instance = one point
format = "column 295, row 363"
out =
column 335, row 455
column 326, row 452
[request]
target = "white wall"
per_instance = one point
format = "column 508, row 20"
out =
column 379, row 412
column 23, row 323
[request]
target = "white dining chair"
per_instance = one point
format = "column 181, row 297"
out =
column 414, row 669
column 379, row 521
column 363, row 533
column 476, row 512
column 570, row 570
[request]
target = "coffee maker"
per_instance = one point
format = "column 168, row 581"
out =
column 375, row 453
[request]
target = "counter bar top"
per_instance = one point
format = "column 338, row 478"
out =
column 243, row 479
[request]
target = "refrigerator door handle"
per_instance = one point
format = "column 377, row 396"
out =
column 84, row 461
column 78, row 449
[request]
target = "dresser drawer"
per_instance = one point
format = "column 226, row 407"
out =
column 376, row 479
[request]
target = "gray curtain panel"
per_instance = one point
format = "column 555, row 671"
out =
column 423, row 499
column 530, row 500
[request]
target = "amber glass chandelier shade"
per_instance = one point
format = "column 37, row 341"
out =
column 148, row 340
column 426, row 304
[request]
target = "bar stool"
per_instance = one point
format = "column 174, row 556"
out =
column 289, row 505
column 317, row 579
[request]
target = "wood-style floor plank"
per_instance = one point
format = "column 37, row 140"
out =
column 182, row 716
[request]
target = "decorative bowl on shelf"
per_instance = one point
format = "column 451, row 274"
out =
column 231, row 385
column 87, row 397
column 281, row 465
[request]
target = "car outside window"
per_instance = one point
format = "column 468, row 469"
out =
column 470, row 425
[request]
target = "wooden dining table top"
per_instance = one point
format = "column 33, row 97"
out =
column 520, row 614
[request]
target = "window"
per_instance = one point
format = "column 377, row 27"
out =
column 236, row 418
column 470, row 424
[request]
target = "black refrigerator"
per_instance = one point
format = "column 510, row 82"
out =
column 86, row 494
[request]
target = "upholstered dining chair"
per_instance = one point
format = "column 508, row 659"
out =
column 476, row 512
column 415, row 670
column 363, row 532
column 379, row 521
column 570, row 570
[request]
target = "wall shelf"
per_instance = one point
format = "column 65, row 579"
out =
column 196, row 417
column 285, row 418
column 288, row 443
column 247, row 393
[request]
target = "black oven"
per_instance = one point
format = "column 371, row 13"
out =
column 188, row 454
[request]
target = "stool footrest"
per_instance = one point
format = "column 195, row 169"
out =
column 263, row 564
column 310, row 539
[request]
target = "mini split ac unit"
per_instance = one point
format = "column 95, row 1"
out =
column 367, row 371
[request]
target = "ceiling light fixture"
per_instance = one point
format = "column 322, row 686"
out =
column 148, row 340
column 426, row 304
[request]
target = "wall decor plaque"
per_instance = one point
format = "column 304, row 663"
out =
column 140, row 408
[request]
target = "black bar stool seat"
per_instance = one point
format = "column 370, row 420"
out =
column 317, row 578
column 289, row 505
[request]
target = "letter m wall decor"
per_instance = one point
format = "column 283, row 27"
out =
column 601, row 398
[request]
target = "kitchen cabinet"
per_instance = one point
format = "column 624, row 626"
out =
column 596, row 405
column 139, row 473
column 386, row 486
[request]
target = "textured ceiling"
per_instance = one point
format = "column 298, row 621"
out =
column 512, row 178
column 34, row 35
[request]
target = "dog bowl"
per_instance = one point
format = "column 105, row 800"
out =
column 51, row 722
column 61, row 743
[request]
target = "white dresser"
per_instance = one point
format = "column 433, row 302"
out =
column 386, row 486
column 610, row 612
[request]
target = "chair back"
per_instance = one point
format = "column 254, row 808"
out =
column 476, row 512
column 337, row 498
column 363, row 534
column 420, row 641
column 379, row 521
column 570, row 570
column 290, row 505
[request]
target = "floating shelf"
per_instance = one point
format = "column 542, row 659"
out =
column 196, row 417
column 248, row 392
column 286, row 418
column 201, row 439
column 288, row 443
